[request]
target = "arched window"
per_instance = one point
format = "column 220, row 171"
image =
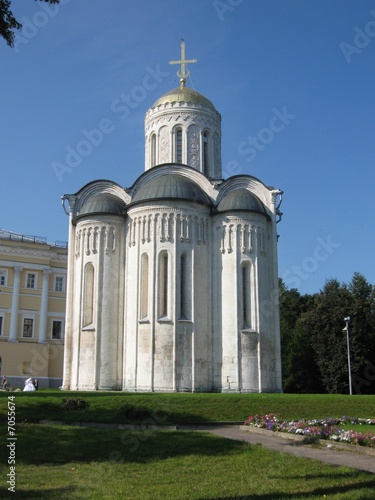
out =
column 144, row 286
column 163, row 285
column 178, row 146
column 246, row 296
column 153, row 150
column 88, row 295
column 206, row 164
column 185, row 287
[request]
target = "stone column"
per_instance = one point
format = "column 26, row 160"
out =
column 14, row 308
column 43, row 308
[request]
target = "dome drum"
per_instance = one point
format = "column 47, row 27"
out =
column 184, row 127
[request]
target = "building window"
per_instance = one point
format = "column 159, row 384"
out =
column 1, row 325
column 179, row 146
column 31, row 280
column 185, row 287
column 205, row 168
column 28, row 326
column 57, row 328
column 59, row 283
column 88, row 295
column 153, row 150
column 144, row 286
column 246, row 296
column 163, row 285
column 3, row 277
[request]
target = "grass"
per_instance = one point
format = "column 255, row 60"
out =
column 360, row 428
column 178, row 408
column 89, row 463
column 71, row 462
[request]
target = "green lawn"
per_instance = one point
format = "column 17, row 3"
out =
column 71, row 462
column 359, row 428
column 176, row 408
column 74, row 462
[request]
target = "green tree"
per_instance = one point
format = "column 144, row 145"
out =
column 300, row 373
column 314, row 344
column 325, row 322
column 8, row 23
column 362, row 334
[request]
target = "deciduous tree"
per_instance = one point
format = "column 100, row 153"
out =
column 300, row 372
column 362, row 334
column 8, row 23
column 325, row 323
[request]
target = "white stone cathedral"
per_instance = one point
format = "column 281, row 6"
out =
column 173, row 282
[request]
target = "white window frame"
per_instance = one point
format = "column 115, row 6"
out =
column 35, row 274
column 58, row 277
column 3, row 277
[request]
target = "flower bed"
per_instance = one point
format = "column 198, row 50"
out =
column 330, row 428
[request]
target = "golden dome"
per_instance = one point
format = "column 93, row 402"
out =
column 183, row 94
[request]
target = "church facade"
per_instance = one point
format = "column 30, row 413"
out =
column 173, row 282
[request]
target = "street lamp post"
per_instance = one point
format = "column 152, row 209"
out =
column 346, row 329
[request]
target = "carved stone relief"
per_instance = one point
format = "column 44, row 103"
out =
column 90, row 239
column 193, row 148
column 167, row 226
column 245, row 234
column 164, row 145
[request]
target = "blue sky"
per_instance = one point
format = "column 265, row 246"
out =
column 310, row 61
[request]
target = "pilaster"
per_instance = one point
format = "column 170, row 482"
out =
column 44, row 308
column 14, row 306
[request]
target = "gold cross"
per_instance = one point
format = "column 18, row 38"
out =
column 184, row 72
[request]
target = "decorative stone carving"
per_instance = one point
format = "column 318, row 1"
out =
column 246, row 238
column 160, row 120
column 92, row 238
column 109, row 239
column 193, row 147
column 95, row 240
column 167, row 225
column 164, row 145
column 244, row 234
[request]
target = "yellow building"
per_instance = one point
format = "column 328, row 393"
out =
column 32, row 309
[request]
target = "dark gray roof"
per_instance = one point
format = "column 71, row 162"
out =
column 241, row 199
column 103, row 203
column 171, row 186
